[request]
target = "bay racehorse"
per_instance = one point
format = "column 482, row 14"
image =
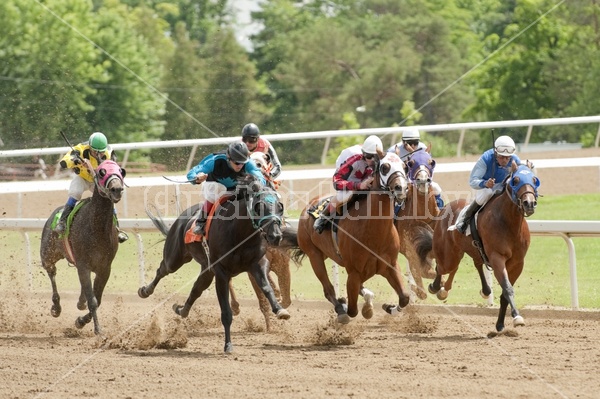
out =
column 91, row 242
column 417, row 216
column 504, row 233
column 237, row 240
column 366, row 242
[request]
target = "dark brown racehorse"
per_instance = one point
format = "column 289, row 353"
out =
column 93, row 243
column 237, row 242
column 505, row 236
column 417, row 216
column 367, row 242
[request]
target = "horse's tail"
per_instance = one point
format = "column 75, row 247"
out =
column 158, row 221
column 289, row 242
column 423, row 241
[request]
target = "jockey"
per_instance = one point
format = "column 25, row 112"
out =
column 411, row 142
column 353, row 174
column 251, row 136
column 82, row 159
column 221, row 172
column 487, row 176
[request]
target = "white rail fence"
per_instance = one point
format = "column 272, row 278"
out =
column 390, row 132
column 567, row 229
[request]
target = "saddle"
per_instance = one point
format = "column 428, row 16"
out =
column 316, row 211
column 189, row 233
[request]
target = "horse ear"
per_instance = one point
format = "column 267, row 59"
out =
column 514, row 166
column 123, row 172
column 428, row 149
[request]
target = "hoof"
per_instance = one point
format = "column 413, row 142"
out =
column 283, row 314
column 518, row 321
column 235, row 309
column 228, row 347
column 442, row 294
column 180, row 310
column 80, row 323
column 55, row 311
column 483, row 295
column 81, row 306
column 419, row 292
column 431, row 289
column 391, row 309
column 367, row 310
column 143, row 293
column 343, row 319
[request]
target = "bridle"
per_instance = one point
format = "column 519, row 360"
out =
column 263, row 196
column 526, row 178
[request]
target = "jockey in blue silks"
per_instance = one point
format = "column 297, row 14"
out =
column 221, row 172
column 487, row 176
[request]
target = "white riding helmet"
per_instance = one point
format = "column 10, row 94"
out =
column 372, row 145
column 505, row 146
column 411, row 134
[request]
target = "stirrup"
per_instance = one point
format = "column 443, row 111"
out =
column 199, row 228
column 122, row 237
column 61, row 227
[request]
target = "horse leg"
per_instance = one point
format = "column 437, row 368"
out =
column 202, row 283
column 56, row 308
column 235, row 305
column 507, row 298
column 86, row 286
column 394, row 278
column 318, row 264
column 147, row 290
column 263, row 303
column 222, row 288
column 280, row 265
column 275, row 287
column 353, row 286
column 486, row 290
column 82, row 302
column 259, row 272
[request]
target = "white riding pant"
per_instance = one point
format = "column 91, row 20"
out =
column 482, row 196
column 78, row 186
column 212, row 191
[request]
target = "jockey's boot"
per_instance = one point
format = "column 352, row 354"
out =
column 322, row 220
column 61, row 226
column 202, row 217
column 469, row 213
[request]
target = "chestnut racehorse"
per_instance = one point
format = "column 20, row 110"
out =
column 505, row 236
column 366, row 242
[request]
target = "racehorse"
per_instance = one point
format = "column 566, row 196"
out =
column 91, row 242
column 366, row 242
column 237, row 240
column 504, row 234
column 417, row 216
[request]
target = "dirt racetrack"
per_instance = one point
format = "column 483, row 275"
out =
column 428, row 351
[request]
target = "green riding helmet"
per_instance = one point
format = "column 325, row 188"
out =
column 98, row 142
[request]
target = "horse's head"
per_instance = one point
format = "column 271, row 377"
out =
column 109, row 180
column 265, row 210
column 392, row 176
column 420, row 170
column 523, row 188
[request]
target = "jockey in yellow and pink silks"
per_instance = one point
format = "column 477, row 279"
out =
column 81, row 159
